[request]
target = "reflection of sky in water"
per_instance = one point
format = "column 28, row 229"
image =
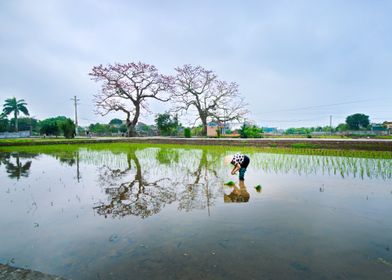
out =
column 161, row 213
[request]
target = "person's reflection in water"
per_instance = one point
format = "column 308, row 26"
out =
column 238, row 194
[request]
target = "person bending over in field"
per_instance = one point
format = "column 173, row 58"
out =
column 240, row 163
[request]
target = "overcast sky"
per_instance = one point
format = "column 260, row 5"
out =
column 296, row 62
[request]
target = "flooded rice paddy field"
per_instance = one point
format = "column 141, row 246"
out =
column 131, row 212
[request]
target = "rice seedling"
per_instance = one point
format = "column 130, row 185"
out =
column 370, row 164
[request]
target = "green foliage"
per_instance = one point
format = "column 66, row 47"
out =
column 81, row 130
column 299, row 130
column 143, row 127
column 99, row 129
column 57, row 126
column 68, row 128
column 218, row 132
column 13, row 106
column 304, row 146
column 167, row 124
column 229, row 183
column 258, row 188
column 116, row 122
column 3, row 123
column 228, row 131
column 357, row 121
column 49, row 127
column 123, row 128
column 168, row 156
column 197, row 131
column 187, row 133
column 29, row 146
column 24, row 124
column 307, row 130
column 107, row 129
column 253, row 131
column 342, row 127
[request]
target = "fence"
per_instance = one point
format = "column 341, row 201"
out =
column 366, row 132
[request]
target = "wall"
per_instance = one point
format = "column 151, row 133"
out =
column 19, row 134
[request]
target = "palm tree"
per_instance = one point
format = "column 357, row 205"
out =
column 12, row 105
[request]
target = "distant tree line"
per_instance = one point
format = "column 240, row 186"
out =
column 58, row 126
column 353, row 122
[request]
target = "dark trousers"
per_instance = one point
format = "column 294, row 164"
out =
column 242, row 173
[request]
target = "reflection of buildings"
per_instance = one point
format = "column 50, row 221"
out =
column 17, row 165
column 199, row 191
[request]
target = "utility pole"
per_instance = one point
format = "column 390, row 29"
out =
column 330, row 124
column 75, row 100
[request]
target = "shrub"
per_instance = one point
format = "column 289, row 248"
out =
column 187, row 132
column 50, row 126
column 3, row 124
column 68, row 128
column 253, row 131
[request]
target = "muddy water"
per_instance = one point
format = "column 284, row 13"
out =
column 166, row 214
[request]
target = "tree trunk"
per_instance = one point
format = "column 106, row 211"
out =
column 16, row 121
column 204, row 121
column 131, row 132
column 132, row 124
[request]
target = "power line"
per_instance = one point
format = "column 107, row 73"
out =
column 293, row 120
column 316, row 106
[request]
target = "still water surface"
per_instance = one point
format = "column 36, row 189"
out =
column 161, row 213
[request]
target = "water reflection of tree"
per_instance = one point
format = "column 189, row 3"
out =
column 17, row 165
column 164, row 176
column 139, row 197
column 70, row 158
column 168, row 156
column 201, row 192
